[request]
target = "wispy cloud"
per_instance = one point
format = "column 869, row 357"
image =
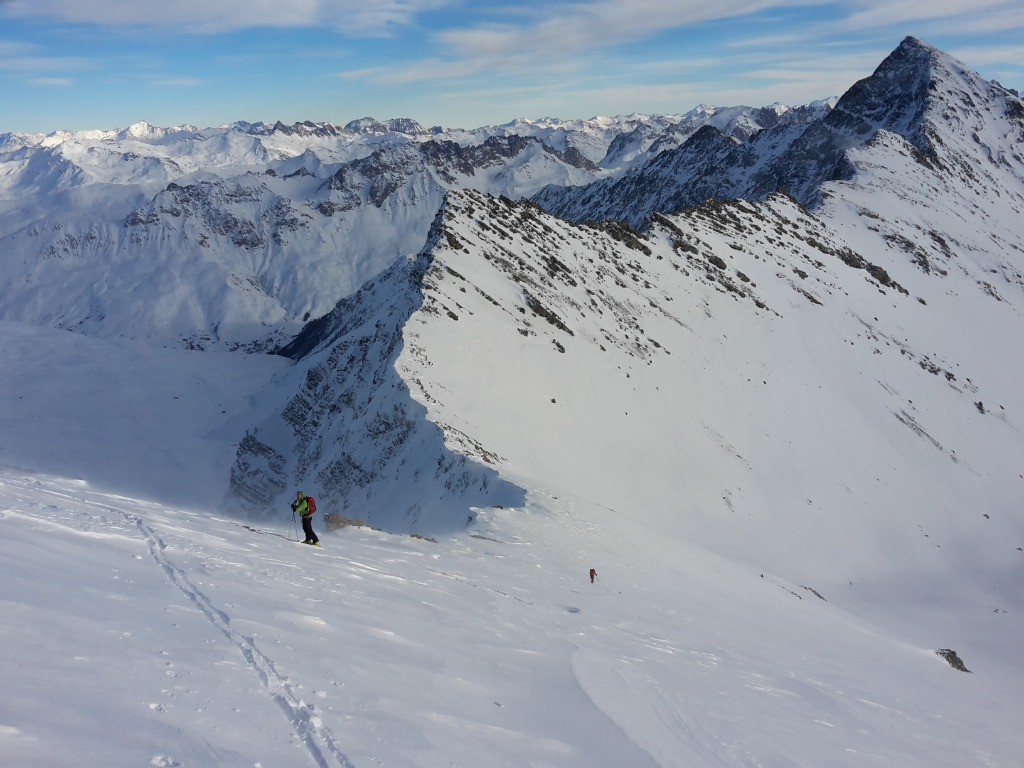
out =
column 51, row 82
column 177, row 82
column 543, row 37
column 566, row 28
column 31, row 64
column 357, row 17
column 882, row 13
column 981, row 56
column 441, row 70
column 998, row 21
column 376, row 17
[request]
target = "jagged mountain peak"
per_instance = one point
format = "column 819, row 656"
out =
column 895, row 97
column 922, row 94
column 947, row 112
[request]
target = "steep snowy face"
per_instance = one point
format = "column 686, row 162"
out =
column 973, row 128
column 616, row 367
column 941, row 185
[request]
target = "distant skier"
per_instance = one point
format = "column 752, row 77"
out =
column 305, row 506
column 593, row 575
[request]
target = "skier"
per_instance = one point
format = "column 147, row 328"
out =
column 301, row 505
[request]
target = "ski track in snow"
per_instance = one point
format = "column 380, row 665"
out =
column 316, row 737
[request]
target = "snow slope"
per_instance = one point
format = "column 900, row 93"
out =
column 742, row 422
column 142, row 634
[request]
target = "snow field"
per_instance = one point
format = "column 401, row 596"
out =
column 142, row 635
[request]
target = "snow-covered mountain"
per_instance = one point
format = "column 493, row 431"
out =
column 948, row 114
column 934, row 204
column 572, row 356
column 786, row 431
column 237, row 236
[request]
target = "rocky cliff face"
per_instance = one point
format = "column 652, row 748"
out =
column 351, row 430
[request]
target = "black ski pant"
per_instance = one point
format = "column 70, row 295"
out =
column 307, row 528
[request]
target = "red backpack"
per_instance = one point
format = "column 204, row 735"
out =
column 312, row 505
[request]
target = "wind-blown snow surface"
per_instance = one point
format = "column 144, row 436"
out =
column 146, row 635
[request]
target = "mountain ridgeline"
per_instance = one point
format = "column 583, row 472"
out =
column 235, row 237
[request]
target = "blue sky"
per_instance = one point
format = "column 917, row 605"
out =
column 83, row 64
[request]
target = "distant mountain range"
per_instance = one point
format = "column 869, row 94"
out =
column 236, row 236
